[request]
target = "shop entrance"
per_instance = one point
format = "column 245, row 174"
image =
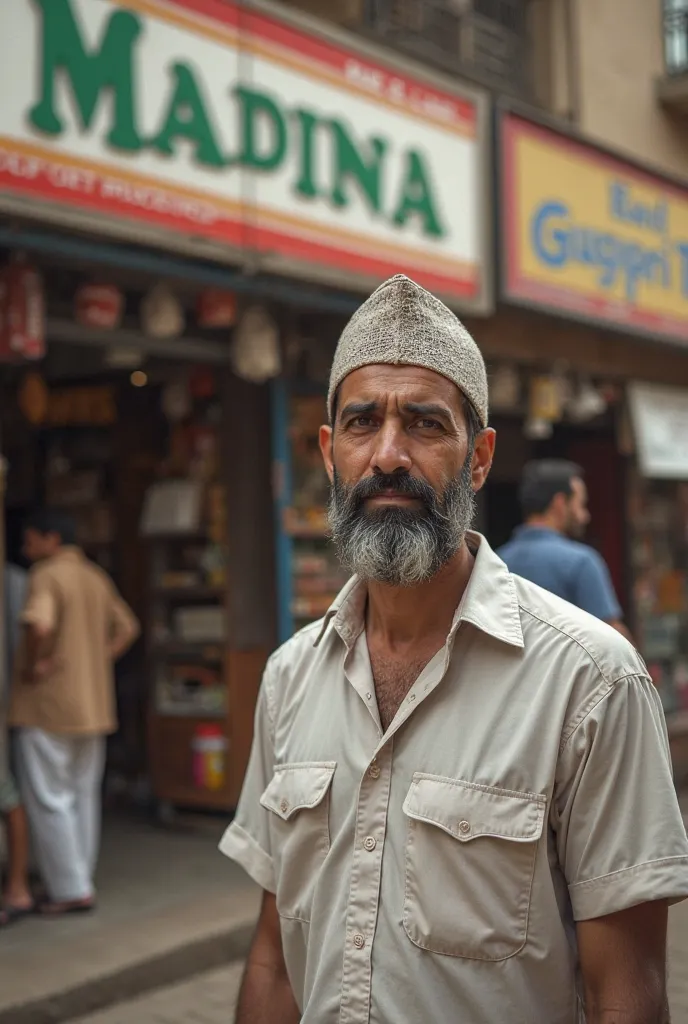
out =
column 595, row 449
column 137, row 432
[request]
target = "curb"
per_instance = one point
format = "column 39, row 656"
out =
column 134, row 980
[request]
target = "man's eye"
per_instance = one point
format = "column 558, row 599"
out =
column 426, row 424
column 361, row 421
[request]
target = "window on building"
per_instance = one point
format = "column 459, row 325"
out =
column 484, row 39
column 676, row 36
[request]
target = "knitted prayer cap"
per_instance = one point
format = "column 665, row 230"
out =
column 402, row 323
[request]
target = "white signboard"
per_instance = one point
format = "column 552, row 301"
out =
column 243, row 132
column 660, row 422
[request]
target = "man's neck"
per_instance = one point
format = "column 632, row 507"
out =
column 544, row 522
column 399, row 616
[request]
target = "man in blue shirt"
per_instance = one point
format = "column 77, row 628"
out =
column 554, row 500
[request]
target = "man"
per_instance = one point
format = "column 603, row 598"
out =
column 459, row 798
column 546, row 550
column 17, row 899
column 63, row 706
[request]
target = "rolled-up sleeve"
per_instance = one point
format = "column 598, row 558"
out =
column 621, row 840
column 247, row 840
column 40, row 609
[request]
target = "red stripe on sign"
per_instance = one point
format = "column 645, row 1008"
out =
column 268, row 241
column 377, row 80
column 618, row 313
column 109, row 194
column 98, row 192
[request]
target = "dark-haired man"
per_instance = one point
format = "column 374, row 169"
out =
column 547, row 549
column 75, row 626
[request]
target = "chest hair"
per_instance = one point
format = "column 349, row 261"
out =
column 394, row 676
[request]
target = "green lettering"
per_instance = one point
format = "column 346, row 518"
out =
column 110, row 67
column 187, row 118
column 416, row 197
column 256, row 106
column 350, row 163
column 306, row 185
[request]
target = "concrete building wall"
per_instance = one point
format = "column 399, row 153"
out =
column 620, row 55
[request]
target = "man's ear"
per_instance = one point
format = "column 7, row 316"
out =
column 326, row 438
column 482, row 457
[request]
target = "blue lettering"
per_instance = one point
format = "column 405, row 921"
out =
column 550, row 242
column 683, row 253
column 556, row 242
column 617, row 196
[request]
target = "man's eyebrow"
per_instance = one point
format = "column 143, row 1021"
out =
column 358, row 409
column 429, row 409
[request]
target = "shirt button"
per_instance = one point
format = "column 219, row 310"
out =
column 369, row 696
column 464, row 827
column 359, row 941
column 284, row 806
column 374, row 771
column 370, row 843
column 412, row 697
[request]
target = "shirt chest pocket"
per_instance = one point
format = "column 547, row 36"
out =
column 470, row 861
column 298, row 799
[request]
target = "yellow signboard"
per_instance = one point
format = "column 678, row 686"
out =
column 588, row 234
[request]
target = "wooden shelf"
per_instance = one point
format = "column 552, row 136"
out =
column 195, row 593
column 192, row 713
column 209, row 651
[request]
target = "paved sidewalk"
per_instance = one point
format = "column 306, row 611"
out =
column 209, row 998
column 170, row 905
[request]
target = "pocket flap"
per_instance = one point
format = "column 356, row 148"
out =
column 295, row 787
column 467, row 810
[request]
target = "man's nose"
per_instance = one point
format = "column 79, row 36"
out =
column 391, row 453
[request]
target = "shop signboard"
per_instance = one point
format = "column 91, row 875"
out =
column 585, row 234
column 237, row 131
column 660, row 425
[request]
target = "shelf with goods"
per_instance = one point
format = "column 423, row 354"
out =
column 190, row 683
column 309, row 574
column 658, row 529
column 79, row 467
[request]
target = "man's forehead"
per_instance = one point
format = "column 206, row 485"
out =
column 382, row 382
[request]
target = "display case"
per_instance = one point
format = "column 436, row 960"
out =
column 190, row 705
column 309, row 574
column 658, row 518
column 193, row 690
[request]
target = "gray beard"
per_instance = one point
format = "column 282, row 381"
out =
column 401, row 547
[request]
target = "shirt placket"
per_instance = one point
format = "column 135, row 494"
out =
column 370, row 832
column 364, row 892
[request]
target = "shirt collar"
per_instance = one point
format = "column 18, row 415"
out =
column 489, row 603
column 68, row 552
column 528, row 530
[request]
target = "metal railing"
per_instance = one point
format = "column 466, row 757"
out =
column 487, row 40
column 676, row 36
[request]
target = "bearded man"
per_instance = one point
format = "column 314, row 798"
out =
column 459, row 801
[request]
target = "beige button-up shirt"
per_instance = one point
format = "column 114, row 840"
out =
column 76, row 602
column 435, row 872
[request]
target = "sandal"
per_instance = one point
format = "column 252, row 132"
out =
column 10, row 915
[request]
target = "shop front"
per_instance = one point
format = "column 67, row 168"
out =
column 203, row 192
column 594, row 290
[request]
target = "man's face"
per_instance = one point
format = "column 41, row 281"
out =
column 39, row 545
column 577, row 513
column 403, row 472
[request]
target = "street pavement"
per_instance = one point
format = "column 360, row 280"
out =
column 210, row 998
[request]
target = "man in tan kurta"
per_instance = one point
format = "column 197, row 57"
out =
column 63, row 704
column 459, row 802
